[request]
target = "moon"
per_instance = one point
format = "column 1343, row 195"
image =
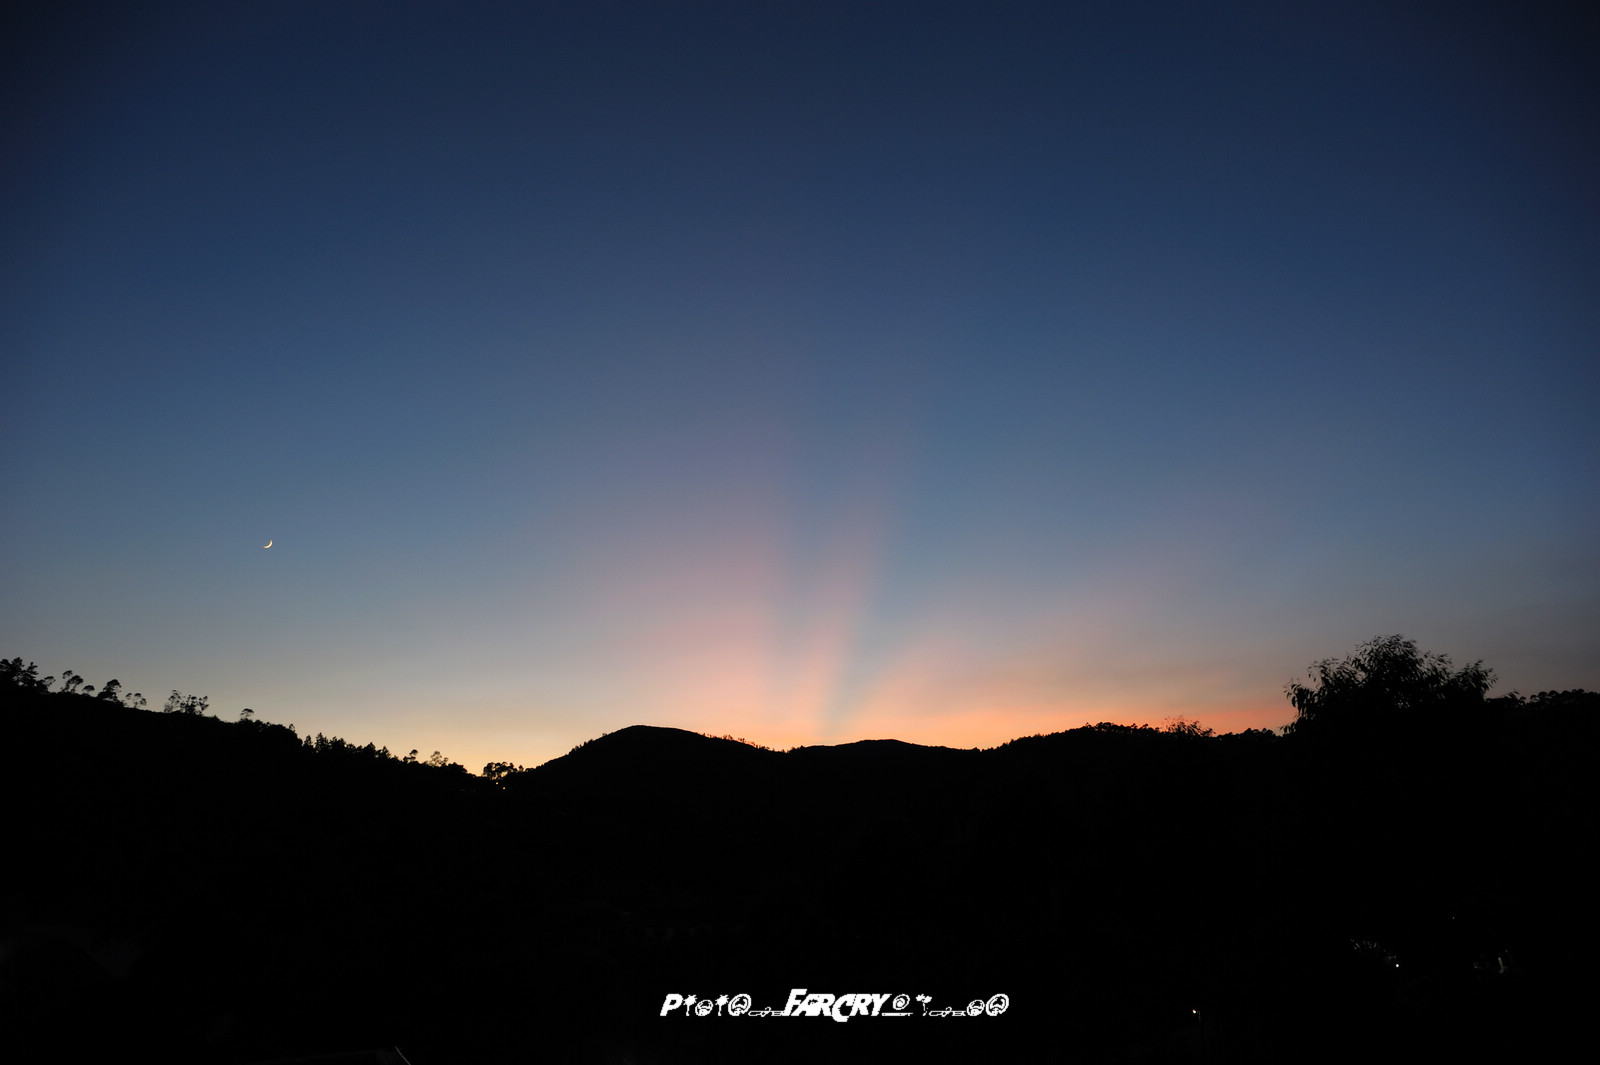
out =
column 266, row 545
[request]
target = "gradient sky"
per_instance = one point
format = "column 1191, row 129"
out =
column 807, row 372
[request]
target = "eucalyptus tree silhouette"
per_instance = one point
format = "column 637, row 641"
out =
column 178, row 703
column 23, row 676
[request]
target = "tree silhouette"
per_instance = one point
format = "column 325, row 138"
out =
column 499, row 771
column 23, row 676
column 179, row 703
column 1386, row 681
column 439, row 761
column 1184, row 726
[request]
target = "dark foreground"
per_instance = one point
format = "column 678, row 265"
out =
column 203, row 891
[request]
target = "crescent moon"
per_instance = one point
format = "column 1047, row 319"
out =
column 266, row 545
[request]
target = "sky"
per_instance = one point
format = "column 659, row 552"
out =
column 804, row 372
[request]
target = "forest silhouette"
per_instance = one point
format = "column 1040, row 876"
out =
column 1404, row 871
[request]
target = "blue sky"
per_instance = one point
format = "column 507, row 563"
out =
column 805, row 372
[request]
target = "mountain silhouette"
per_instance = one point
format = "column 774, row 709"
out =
column 232, row 892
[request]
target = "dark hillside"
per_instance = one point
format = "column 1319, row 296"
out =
column 227, row 892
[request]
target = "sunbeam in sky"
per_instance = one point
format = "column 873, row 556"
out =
column 800, row 372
